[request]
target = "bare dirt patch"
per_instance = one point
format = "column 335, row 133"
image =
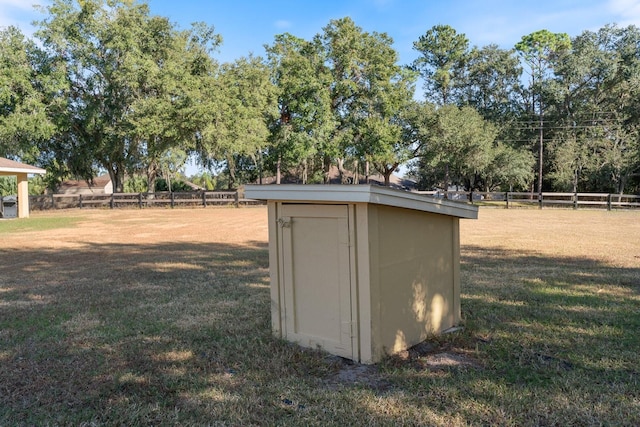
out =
column 148, row 226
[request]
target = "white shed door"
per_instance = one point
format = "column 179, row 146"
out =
column 317, row 277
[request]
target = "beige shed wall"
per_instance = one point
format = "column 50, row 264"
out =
column 404, row 277
column 414, row 277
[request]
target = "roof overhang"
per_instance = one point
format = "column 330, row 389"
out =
column 319, row 193
column 8, row 167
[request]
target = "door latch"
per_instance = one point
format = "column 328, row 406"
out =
column 284, row 222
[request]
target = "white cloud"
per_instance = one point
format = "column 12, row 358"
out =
column 627, row 12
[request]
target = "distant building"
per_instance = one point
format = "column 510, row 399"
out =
column 101, row 185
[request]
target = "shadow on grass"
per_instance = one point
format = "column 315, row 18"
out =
column 557, row 333
column 556, row 338
column 180, row 334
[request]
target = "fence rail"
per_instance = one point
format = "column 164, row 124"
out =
column 217, row 198
column 140, row 200
column 516, row 199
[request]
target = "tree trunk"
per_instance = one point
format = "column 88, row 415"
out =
column 446, row 181
column 305, row 170
column 326, row 164
column 231, row 167
column 387, row 177
column 366, row 172
column 341, row 171
column 278, row 171
column 356, row 178
column 116, row 177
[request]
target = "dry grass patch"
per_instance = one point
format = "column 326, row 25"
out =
column 161, row 317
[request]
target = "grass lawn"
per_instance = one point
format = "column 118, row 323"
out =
column 161, row 317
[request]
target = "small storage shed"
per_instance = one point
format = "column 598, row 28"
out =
column 359, row 270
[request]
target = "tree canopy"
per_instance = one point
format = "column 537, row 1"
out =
column 107, row 86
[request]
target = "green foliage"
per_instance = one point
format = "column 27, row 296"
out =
column 109, row 86
column 205, row 180
column 8, row 185
column 368, row 93
column 511, row 169
column 443, row 53
column 135, row 184
column 303, row 128
column 38, row 185
column 244, row 104
column 133, row 80
column 176, row 186
column 26, row 83
column 490, row 82
column 456, row 147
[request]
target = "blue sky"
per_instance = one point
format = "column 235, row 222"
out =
column 247, row 25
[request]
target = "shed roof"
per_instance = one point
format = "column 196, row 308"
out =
column 360, row 194
column 11, row 166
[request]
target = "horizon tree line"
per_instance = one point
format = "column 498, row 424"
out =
column 106, row 86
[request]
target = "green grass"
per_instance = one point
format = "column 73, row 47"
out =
column 18, row 225
column 163, row 330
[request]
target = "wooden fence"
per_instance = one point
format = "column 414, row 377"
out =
column 565, row 200
column 140, row 200
column 218, row 198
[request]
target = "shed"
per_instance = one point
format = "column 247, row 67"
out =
column 361, row 271
column 22, row 172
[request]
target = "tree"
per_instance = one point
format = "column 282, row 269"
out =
column 246, row 104
column 305, row 120
column 540, row 50
column 596, row 117
column 127, row 74
column 367, row 90
column 490, row 82
column 27, row 82
column 510, row 168
column 456, row 148
column 167, row 83
column 443, row 53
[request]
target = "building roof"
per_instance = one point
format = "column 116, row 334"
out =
column 11, row 166
column 97, row 182
column 320, row 193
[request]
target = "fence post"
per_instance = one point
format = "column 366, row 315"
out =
column 204, row 198
column 140, row 200
column 172, row 200
column 80, row 201
column 506, row 197
column 540, row 200
column 471, row 196
column 609, row 201
column 111, row 202
column 236, row 198
column 53, row 202
column 575, row 200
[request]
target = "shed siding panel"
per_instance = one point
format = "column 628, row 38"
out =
column 416, row 268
